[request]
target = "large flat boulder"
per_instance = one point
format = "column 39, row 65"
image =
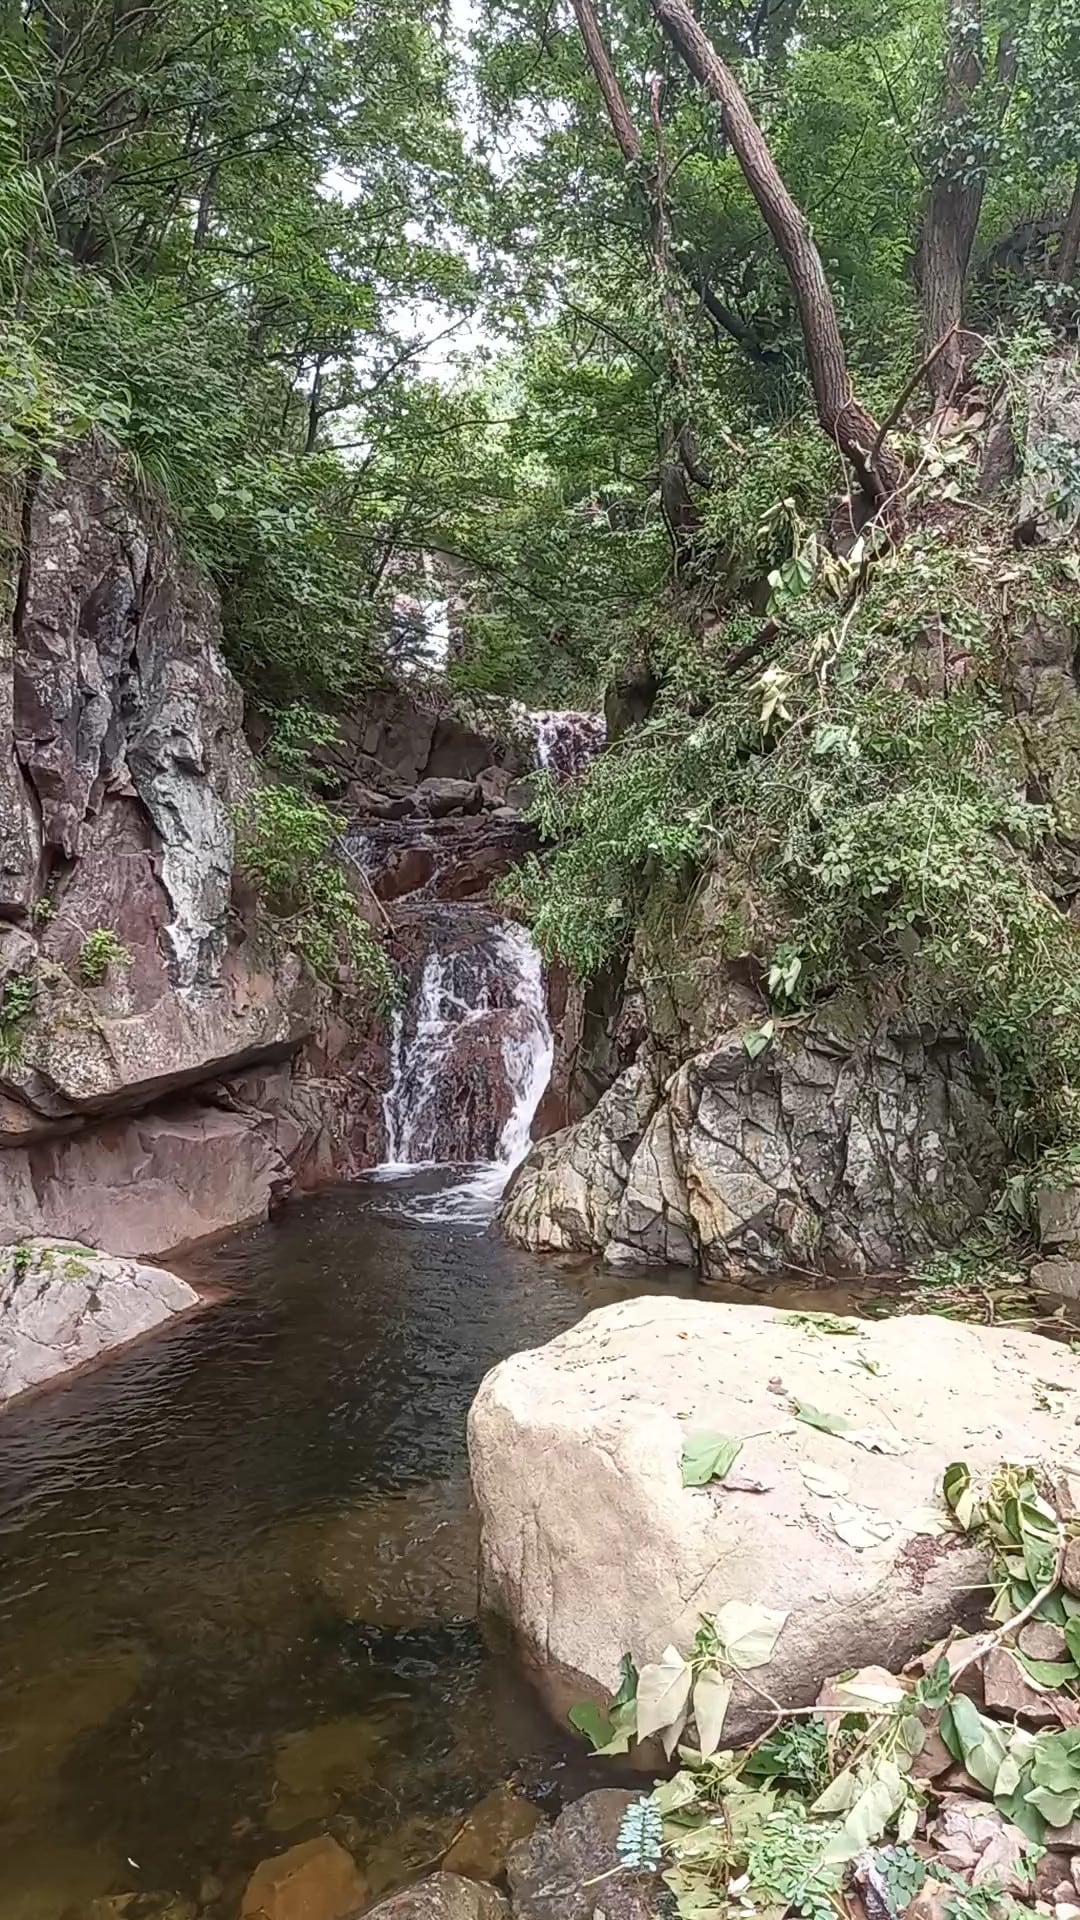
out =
column 62, row 1304
column 591, row 1546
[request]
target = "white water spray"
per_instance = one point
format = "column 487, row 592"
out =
column 475, row 1044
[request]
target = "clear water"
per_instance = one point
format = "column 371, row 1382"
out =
column 236, row 1567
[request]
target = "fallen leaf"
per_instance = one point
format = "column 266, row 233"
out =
column 741, row 1483
column 822, row 1480
column 859, row 1527
column 824, row 1422
column 708, row 1456
column 663, row 1694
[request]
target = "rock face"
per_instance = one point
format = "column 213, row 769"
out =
column 591, row 1546
column 62, row 1304
column 122, row 761
column 849, row 1145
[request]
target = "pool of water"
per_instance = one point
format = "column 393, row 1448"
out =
column 237, row 1565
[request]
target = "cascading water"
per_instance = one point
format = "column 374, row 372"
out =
column 567, row 740
column 471, row 1055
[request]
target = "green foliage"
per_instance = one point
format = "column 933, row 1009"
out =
column 101, row 950
column 287, row 847
column 880, row 831
column 21, row 1261
column 17, row 1002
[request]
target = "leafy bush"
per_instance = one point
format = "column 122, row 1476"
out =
column 17, row 1002
column 101, row 950
column 286, row 847
column 883, row 830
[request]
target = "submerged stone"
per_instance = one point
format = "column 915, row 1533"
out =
column 316, row 1880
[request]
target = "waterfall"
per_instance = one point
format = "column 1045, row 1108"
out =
column 566, row 740
column 471, row 1055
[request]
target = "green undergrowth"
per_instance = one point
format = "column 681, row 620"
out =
column 853, row 1797
column 864, row 788
column 288, row 848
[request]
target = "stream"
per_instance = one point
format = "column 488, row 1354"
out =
column 238, row 1560
column 237, row 1593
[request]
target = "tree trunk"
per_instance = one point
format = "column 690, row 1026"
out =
column 956, row 193
column 842, row 417
column 1069, row 250
column 679, row 461
column 629, row 143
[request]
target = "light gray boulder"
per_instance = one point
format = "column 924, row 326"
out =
column 62, row 1304
column 591, row 1547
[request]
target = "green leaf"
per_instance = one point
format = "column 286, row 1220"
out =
column 593, row 1722
column 708, row 1456
column 824, row 1422
column 959, row 1497
column 623, row 1727
column 748, row 1633
column 839, row 1795
column 979, row 1743
column 1047, row 1673
column 663, row 1697
column 1057, row 1809
column 627, row 1683
column 869, row 1816
column 674, row 1794
column 712, row 1694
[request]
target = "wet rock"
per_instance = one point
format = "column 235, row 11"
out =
column 443, row 1896
column 494, row 785
column 62, row 1303
column 499, row 1820
column 591, row 1547
column 151, row 1184
column 400, row 1853
column 564, row 1872
column 852, row 1146
column 315, row 1766
column 568, row 1191
column 449, row 796
column 316, row 1880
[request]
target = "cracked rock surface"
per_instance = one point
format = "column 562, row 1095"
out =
column 849, row 1145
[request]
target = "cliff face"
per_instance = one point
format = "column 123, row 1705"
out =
column 700, row 1120
column 122, row 761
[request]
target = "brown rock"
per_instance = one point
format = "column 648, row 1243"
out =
column 448, row 796
column 492, row 1828
column 1041, row 1640
column 1053, row 1871
column 933, row 1901
column 443, row 1896
column 977, row 1840
column 935, row 1758
column 1008, row 1690
column 316, row 1880
column 559, row 1874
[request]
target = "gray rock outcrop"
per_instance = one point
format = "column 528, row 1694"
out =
column 442, row 1896
column 592, row 1547
column 849, row 1144
column 62, row 1304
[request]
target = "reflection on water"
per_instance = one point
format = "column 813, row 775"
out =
column 237, row 1568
